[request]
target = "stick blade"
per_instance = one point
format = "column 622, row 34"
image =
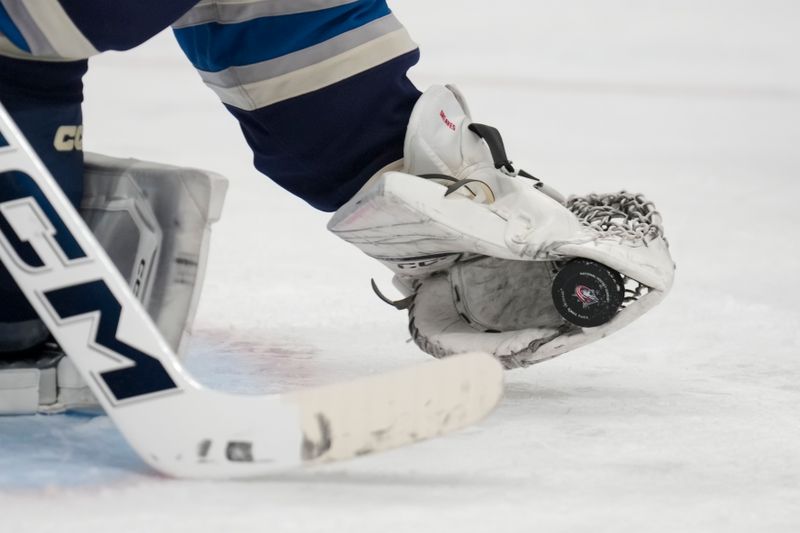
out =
column 378, row 413
column 205, row 434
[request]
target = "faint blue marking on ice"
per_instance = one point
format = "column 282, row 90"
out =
column 62, row 451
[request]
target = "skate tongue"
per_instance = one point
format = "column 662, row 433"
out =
column 439, row 140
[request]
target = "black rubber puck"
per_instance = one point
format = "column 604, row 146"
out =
column 587, row 293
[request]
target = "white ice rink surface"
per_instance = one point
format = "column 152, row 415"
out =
column 688, row 420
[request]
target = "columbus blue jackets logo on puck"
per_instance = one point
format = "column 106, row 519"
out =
column 587, row 293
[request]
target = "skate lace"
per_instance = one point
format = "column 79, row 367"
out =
column 623, row 215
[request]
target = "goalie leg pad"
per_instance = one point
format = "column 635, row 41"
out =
column 154, row 221
column 29, row 381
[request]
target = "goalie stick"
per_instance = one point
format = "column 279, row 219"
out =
column 175, row 425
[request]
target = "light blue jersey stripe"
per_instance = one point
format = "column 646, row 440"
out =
column 307, row 57
column 214, row 47
column 10, row 30
column 233, row 11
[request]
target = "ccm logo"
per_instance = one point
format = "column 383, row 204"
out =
column 447, row 121
column 68, row 138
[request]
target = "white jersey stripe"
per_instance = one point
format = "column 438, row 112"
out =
column 66, row 39
column 307, row 57
column 37, row 41
column 9, row 49
column 251, row 96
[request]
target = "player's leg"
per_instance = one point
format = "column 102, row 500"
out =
column 45, row 101
column 153, row 220
column 319, row 87
column 42, row 90
column 41, row 87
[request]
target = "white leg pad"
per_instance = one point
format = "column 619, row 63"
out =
column 154, row 221
column 19, row 391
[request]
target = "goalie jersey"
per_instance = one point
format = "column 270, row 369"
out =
column 319, row 87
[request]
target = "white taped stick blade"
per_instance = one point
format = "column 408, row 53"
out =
column 398, row 408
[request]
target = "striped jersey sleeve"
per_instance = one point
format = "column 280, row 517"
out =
column 69, row 30
column 318, row 86
column 257, row 53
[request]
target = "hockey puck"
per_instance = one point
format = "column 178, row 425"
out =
column 587, row 293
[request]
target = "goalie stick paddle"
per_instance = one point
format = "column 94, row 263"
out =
column 178, row 427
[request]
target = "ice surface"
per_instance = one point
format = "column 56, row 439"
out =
column 689, row 420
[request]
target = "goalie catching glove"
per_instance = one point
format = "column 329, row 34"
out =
column 489, row 257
